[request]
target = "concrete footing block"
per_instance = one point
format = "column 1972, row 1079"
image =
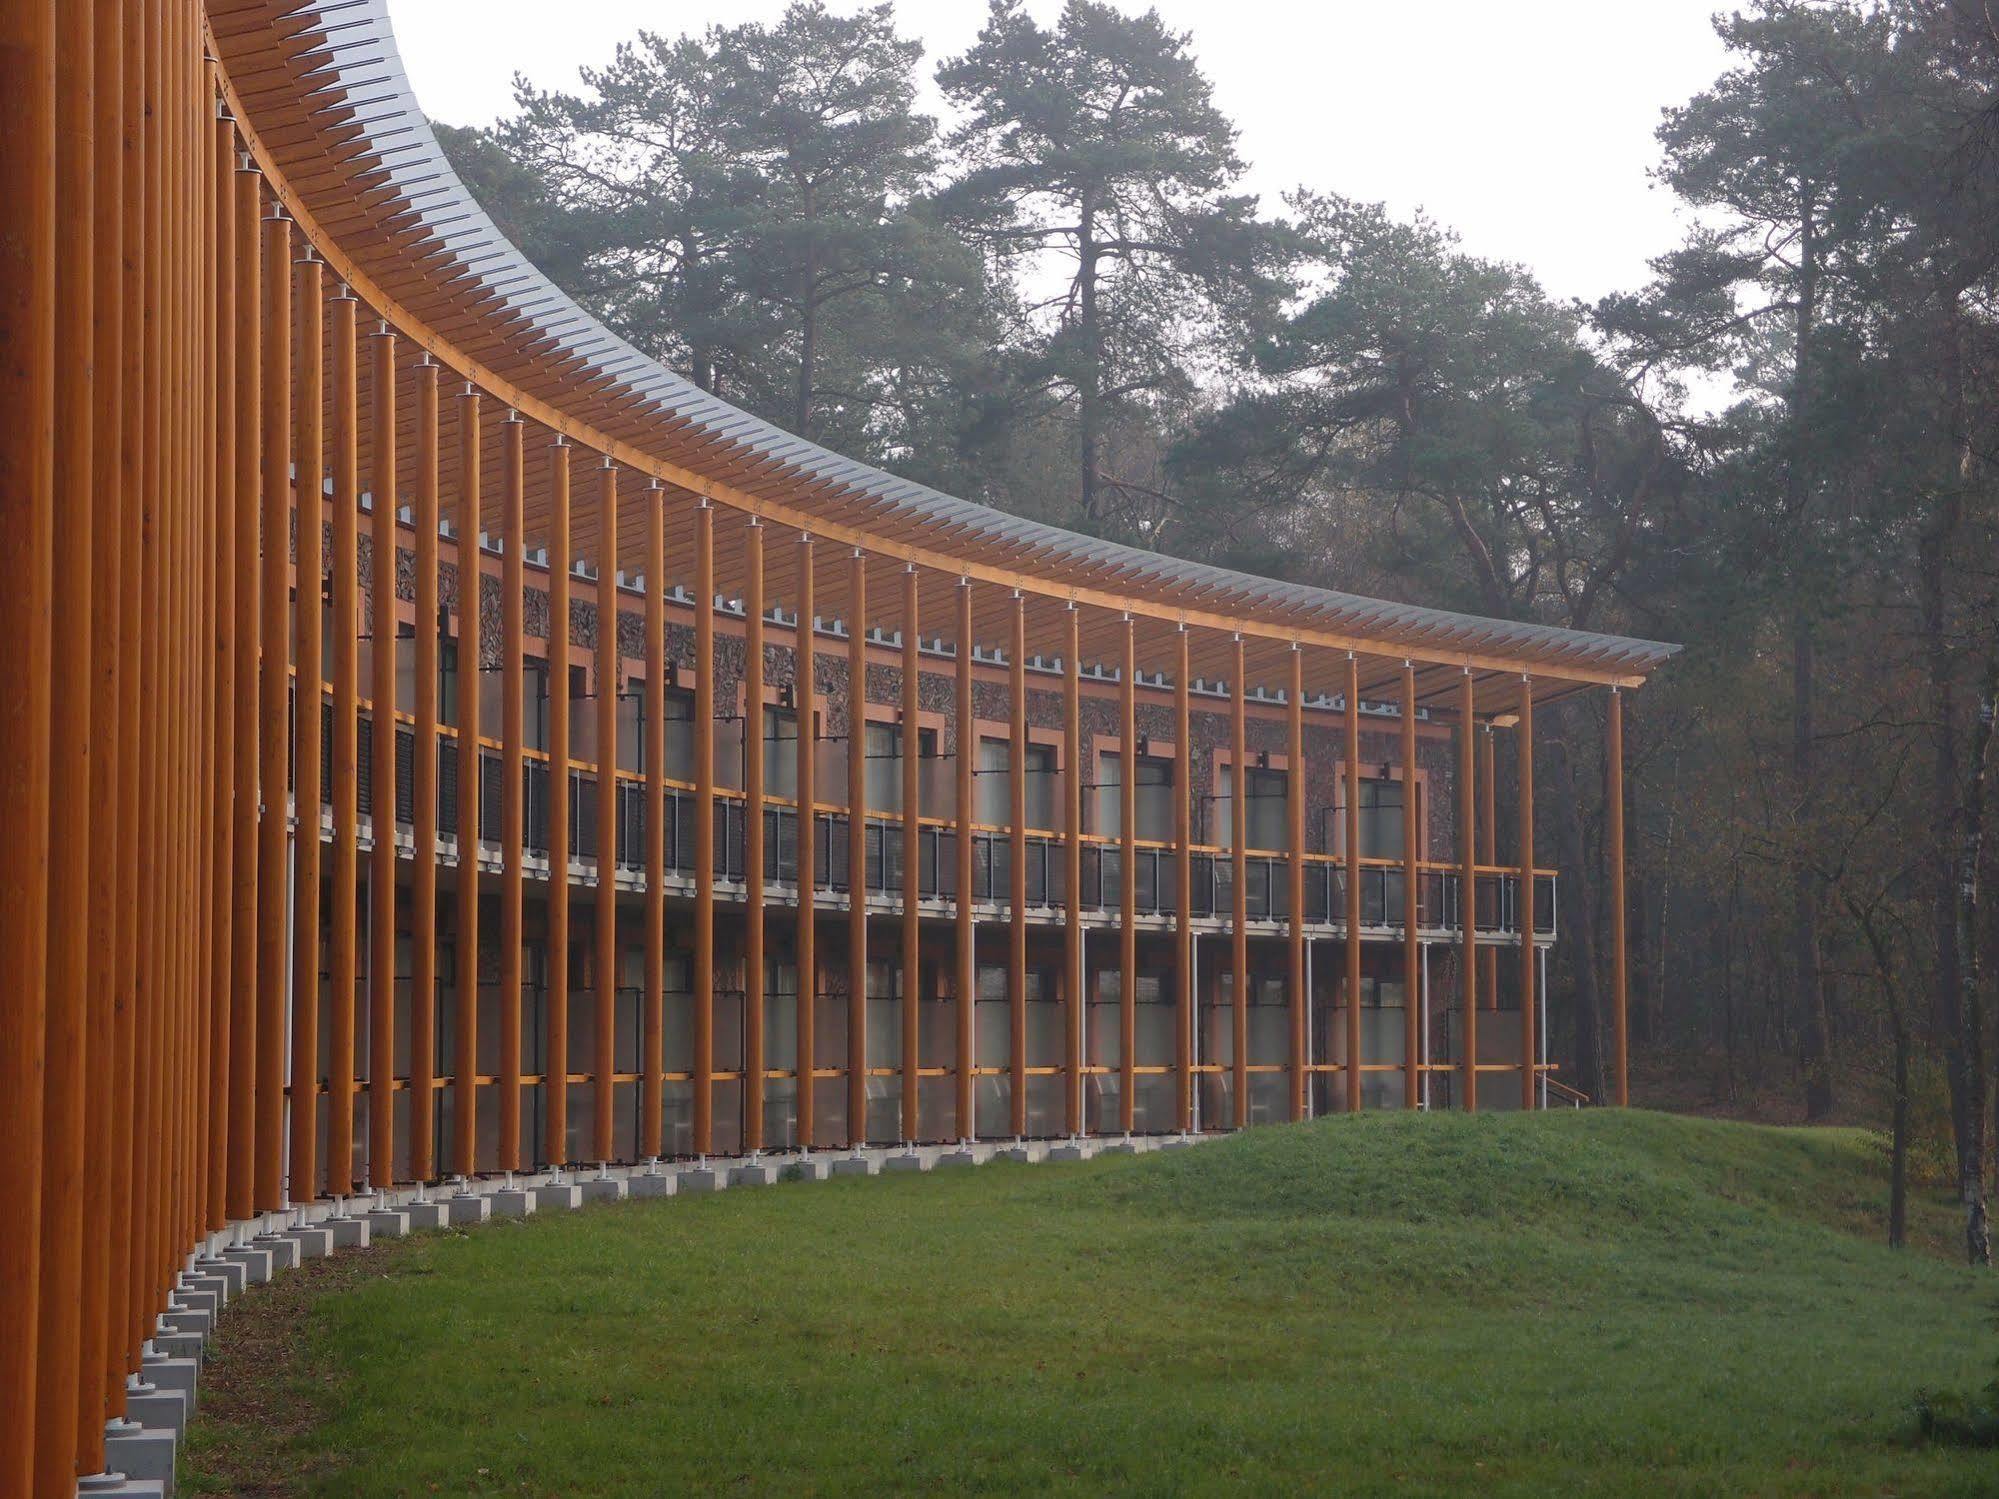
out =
column 232, row 1273
column 1177, row 1142
column 905, row 1160
column 197, row 1298
column 660, row 1185
column 1017, row 1153
column 604, row 1189
column 119, row 1486
column 182, row 1374
column 180, row 1344
column 314, row 1242
column 556, row 1197
column 512, row 1202
column 386, row 1223
column 198, row 1320
column 348, row 1233
column 806, row 1168
column 431, row 1214
column 699, row 1179
column 754, row 1174
column 158, row 1409
column 282, row 1250
column 144, row 1453
column 962, row 1156
column 255, row 1263
column 1119, row 1147
column 1069, row 1150
column 855, row 1165
column 467, row 1208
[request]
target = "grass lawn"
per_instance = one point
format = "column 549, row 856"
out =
column 1555, row 1304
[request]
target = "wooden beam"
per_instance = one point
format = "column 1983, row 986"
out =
column 342, row 920
column 857, row 861
column 469, row 523
column 308, row 696
column 610, row 671
column 1353, row 983
column 912, row 860
column 1412, row 947
column 513, row 772
column 1614, row 836
column 1183, row 883
column 1075, row 980
column 704, row 829
column 1239, row 867
column 1468, row 882
column 382, row 631
column 1524, row 744
column 555, row 1063
column 274, row 714
column 753, row 836
column 1128, row 878
column 423, row 785
column 965, row 752
column 805, row 693
column 1294, row 869
column 653, row 1045
column 1017, row 846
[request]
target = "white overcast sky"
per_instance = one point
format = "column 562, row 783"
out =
column 1526, row 125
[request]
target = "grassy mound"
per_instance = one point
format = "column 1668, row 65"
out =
column 1597, row 1303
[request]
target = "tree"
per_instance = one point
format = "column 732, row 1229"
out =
column 1095, row 163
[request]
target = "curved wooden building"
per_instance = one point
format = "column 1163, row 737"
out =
column 440, row 745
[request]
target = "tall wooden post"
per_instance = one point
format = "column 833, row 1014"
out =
column 1529, row 1021
column 704, row 828
column 1468, row 881
column 1353, row 883
column 307, row 603
column 249, row 651
column 27, row 562
column 1412, row 946
column 610, row 680
column 1183, row 886
column 1294, row 806
column 1239, row 870
column 1613, row 809
column 1488, row 852
column 423, row 787
column 471, row 682
column 965, row 752
column 1017, row 846
column 513, row 775
column 912, row 860
column 753, row 835
column 1128, row 880
column 652, row 1062
column 1074, row 979
column 857, row 844
column 382, row 633
column 274, row 711
column 342, row 918
column 555, row 1064
column 805, row 694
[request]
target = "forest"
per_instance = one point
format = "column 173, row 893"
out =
column 1781, row 450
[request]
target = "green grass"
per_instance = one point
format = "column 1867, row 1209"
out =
column 1561, row 1304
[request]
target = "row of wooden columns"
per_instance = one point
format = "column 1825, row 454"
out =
column 177, row 353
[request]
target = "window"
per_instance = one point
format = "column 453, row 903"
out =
column 994, row 795
column 780, row 731
column 679, row 734
column 1381, row 819
column 1154, row 792
column 1265, row 792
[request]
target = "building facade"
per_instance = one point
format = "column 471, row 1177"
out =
column 677, row 789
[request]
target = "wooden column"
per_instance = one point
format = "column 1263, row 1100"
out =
column 1074, row 999
column 1128, row 883
column 704, row 828
column 1613, row 811
column 1488, row 851
column 1353, row 882
column 912, row 862
column 513, row 774
column 219, row 217
column 753, row 835
column 309, row 695
column 382, row 771
column 1183, row 886
column 274, row 711
column 1468, row 882
column 1017, row 842
column 1294, row 807
column 423, row 788
column 965, row 752
column 66, row 1036
column 555, row 1064
column 857, row 861
column 249, row 649
column 1239, row 866
column 805, row 694
column 652, row 1061
column 469, row 522
column 610, row 680
column 342, row 920
column 1529, row 1027
column 27, row 563
column 1412, row 947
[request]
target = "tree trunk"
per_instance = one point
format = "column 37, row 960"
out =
column 1971, row 1014
column 1815, row 1050
column 808, row 327
column 1090, row 378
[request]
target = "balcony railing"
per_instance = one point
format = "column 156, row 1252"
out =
column 1267, row 886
